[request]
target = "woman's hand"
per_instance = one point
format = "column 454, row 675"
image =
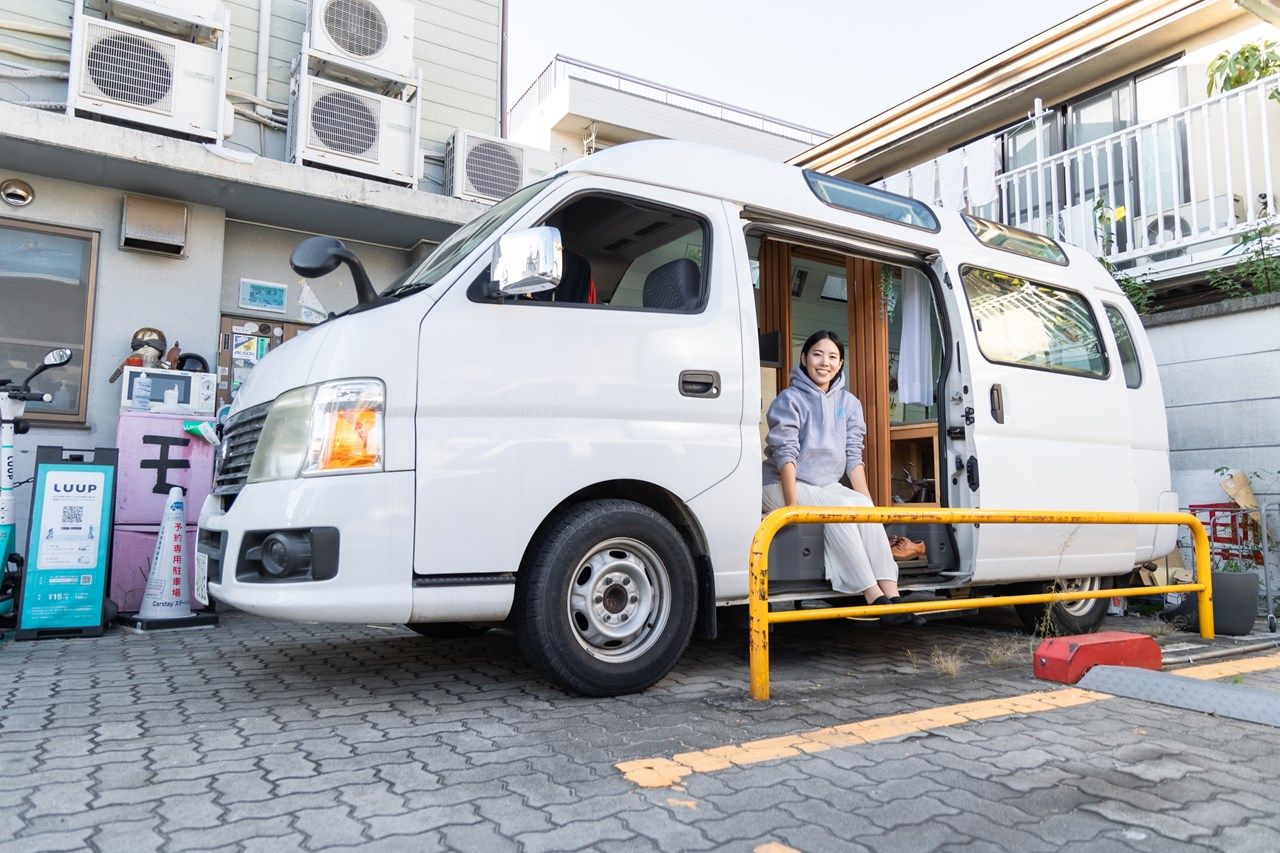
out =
column 858, row 479
column 787, row 476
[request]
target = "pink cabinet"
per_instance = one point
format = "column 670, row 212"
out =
column 155, row 455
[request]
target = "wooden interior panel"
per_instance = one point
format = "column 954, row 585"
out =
column 869, row 369
column 775, row 301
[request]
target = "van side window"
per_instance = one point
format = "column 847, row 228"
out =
column 623, row 253
column 1128, row 351
column 1027, row 324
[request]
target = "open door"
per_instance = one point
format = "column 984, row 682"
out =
column 1041, row 422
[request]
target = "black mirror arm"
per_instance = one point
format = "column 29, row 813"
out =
column 360, row 278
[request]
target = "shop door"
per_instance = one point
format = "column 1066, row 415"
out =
column 242, row 343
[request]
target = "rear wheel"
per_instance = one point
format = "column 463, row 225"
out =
column 1062, row 618
column 607, row 599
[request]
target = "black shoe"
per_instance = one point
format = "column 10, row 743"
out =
column 893, row 620
column 914, row 620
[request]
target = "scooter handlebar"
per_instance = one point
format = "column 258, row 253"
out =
column 32, row 396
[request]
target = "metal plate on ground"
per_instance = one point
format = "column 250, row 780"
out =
column 1164, row 688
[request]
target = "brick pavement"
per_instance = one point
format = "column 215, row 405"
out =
column 274, row 735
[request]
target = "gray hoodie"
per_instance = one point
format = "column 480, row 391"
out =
column 821, row 433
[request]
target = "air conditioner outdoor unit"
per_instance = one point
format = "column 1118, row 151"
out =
column 362, row 40
column 352, row 130
column 484, row 168
column 179, row 17
column 127, row 74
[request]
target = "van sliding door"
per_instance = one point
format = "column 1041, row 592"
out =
column 1041, row 422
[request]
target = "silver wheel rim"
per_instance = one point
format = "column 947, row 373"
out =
column 619, row 600
column 1080, row 607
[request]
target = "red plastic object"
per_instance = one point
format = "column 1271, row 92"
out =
column 1067, row 659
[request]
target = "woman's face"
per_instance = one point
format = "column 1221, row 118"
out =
column 822, row 362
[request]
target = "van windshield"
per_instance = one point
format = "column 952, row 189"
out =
column 461, row 242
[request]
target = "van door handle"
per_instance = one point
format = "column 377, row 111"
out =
column 700, row 383
column 997, row 403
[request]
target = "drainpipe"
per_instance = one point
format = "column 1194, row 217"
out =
column 502, row 74
column 264, row 55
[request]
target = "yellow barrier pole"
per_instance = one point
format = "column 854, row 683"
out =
column 758, row 601
column 1204, row 577
column 758, row 596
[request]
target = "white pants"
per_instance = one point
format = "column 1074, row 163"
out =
column 857, row 555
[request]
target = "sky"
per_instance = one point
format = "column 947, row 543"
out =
column 824, row 64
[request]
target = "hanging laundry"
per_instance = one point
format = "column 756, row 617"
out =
column 983, row 165
column 924, row 182
column 951, row 179
column 899, row 183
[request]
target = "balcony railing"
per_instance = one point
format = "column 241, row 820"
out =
column 1143, row 196
column 563, row 68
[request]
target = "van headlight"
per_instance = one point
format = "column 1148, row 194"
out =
column 331, row 428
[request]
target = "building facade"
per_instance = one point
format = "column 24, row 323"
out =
column 161, row 159
column 575, row 108
column 1103, row 131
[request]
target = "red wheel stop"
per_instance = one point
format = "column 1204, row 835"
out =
column 1067, row 659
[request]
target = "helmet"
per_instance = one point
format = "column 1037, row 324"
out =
column 148, row 337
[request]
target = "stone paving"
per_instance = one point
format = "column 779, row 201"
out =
column 278, row 736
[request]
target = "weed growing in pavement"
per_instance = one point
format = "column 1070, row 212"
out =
column 1155, row 628
column 946, row 663
column 1004, row 652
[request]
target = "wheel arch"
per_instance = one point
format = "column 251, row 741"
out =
column 660, row 500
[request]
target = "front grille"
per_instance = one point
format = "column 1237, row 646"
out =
column 239, row 440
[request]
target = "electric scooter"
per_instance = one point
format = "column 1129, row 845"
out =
column 13, row 404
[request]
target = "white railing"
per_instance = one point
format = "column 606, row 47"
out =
column 564, row 68
column 1202, row 174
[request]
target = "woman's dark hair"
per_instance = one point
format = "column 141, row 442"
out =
column 824, row 334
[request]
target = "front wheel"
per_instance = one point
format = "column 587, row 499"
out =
column 607, row 600
column 1064, row 618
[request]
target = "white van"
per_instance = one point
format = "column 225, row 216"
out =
column 553, row 421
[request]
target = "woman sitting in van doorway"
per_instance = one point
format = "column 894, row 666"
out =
column 816, row 432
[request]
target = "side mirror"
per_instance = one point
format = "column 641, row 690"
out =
column 53, row 358
column 319, row 256
column 528, row 261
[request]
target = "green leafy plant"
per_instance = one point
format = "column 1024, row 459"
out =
column 1258, row 270
column 1248, row 63
column 1138, row 291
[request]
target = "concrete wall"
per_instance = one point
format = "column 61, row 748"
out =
column 179, row 296
column 262, row 253
column 1220, row 368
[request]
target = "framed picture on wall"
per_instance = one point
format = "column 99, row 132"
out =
column 264, row 296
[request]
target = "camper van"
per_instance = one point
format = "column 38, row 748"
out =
column 553, row 421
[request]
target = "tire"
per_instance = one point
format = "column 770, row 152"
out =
column 446, row 630
column 1064, row 618
column 607, row 600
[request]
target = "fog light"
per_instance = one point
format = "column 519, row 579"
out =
column 285, row 554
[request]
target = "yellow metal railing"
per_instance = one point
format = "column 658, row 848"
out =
column 760, row 618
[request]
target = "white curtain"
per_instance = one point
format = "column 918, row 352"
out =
column 915, row 358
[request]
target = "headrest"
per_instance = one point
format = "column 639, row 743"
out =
column 674, row 286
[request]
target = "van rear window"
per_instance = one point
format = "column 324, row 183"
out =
column 1015, row 240
column 1026, row 324
column 859, row 198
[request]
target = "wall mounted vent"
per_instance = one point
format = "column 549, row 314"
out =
column 154, row 225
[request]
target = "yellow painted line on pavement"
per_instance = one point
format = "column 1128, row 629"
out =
column 667, row 772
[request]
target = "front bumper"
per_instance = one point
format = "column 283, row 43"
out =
column 373, row 514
